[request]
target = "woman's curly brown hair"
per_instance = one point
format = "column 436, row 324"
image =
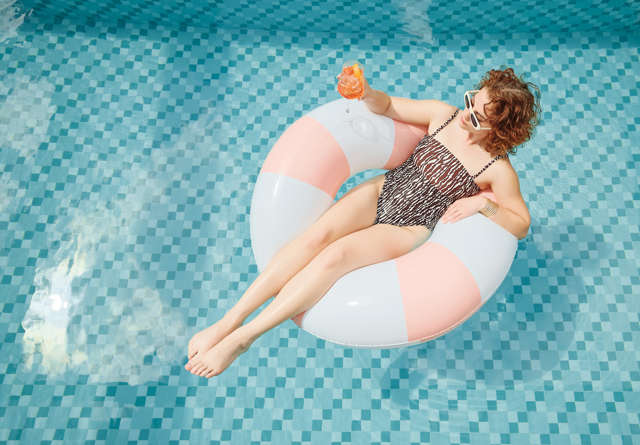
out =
column 514, row 111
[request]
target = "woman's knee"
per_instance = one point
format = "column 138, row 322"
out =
column 321, row 234
column 333, row 255
column 314, row 240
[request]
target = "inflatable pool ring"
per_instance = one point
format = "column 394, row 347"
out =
column 404, row 301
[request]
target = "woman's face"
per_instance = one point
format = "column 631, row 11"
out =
column 479, row 100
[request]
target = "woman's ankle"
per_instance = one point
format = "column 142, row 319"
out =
column 234, row 318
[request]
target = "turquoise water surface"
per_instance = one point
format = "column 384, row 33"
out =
column 131, row 137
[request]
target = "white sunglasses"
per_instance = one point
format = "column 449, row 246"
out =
column 468, row 104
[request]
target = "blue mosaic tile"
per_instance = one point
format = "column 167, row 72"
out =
column 425, row 20
column 128, row 155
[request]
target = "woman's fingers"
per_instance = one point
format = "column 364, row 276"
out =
column 367, row 88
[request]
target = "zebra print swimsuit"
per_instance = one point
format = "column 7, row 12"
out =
column 419, row 191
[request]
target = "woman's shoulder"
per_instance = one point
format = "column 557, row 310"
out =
column 502, row 164
column 442, row 112
column 502, row 171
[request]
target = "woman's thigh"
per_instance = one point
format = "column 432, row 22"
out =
column 354, row 211
column 374, row 244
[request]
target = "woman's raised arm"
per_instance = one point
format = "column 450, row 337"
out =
column 411, row 111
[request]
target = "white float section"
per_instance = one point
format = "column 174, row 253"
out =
column 366, row 138
column 483, row 246
column 281, row 209
column 362, row 309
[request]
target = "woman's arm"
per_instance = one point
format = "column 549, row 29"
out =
column 377, row 101
column 411, row 111
column 512, row 212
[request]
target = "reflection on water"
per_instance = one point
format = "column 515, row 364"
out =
column 415, row 20
column 47, row 318
column 114, row 338
column 74, row 322
column 95, row 309
column 26, row 110
column 10, row 19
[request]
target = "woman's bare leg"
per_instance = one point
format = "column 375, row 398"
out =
column 367, row 246
column 354, row 211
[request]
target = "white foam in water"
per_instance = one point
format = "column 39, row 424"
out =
column 10, row 19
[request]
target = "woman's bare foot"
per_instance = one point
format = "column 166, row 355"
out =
column 218, row 358
column 207, row 338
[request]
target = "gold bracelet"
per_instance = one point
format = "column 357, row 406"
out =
column 490, row 208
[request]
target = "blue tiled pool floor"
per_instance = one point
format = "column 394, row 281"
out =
column 128, row 158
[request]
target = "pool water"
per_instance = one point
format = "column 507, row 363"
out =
column 131, row 136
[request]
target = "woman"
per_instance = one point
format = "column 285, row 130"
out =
column 391, row 214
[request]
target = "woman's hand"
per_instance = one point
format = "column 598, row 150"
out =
column 462, row 208
column 367, row 88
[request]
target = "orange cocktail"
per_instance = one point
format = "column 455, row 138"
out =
column 351, row 81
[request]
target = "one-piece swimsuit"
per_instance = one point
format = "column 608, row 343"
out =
column 419, row 191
